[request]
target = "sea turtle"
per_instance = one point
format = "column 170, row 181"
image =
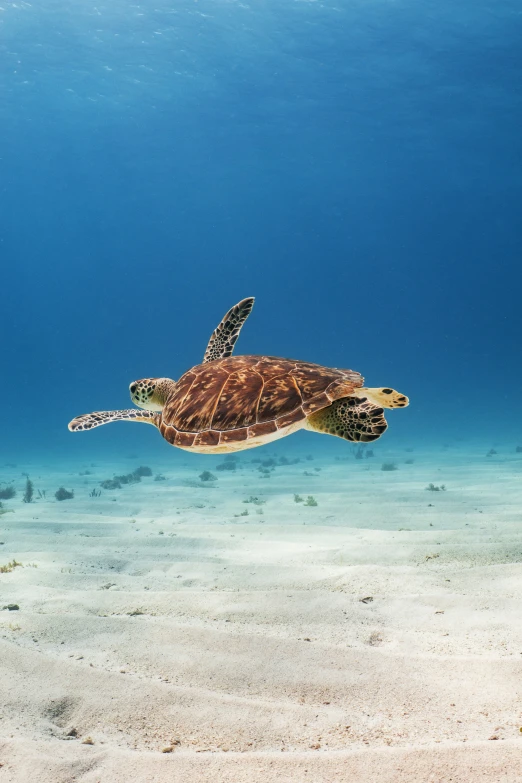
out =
column 229, row 403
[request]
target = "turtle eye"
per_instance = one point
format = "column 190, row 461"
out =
column 133, row 388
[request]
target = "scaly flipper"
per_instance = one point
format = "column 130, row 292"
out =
column 90, row 420
column 223, row 339
column 385, row 397
column 351, row 418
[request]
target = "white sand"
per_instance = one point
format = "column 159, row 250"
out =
column 250, row 652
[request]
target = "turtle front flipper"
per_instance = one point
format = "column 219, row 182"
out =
column 223, row 339
column 351, row 418
column 90, row 420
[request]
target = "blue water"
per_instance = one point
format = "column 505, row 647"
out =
column 354, row 165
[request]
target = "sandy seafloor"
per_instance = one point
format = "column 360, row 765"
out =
column 158, row 617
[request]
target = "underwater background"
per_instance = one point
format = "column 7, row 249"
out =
column 355, row 166
column 312, row 610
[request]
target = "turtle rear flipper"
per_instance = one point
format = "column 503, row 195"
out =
column 352, row 418
column 224, row 337
column 91, row 420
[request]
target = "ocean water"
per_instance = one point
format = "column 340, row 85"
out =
column 353, row 164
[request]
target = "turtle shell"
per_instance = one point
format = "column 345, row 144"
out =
column 232, row 400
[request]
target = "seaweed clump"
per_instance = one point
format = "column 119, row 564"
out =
column 207, row 476
column 64, row 494
column 311, row 501
column 28, row 491
column 7, row 493
column 143, row 470
column 6, row 569
column 127, row 478
column 110, row 484
column 389, row 466
column 227, row 465
column 435, row 488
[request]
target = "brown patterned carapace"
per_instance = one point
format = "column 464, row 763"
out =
column 242, row 397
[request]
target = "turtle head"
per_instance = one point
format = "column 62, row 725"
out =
column 150, row 393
